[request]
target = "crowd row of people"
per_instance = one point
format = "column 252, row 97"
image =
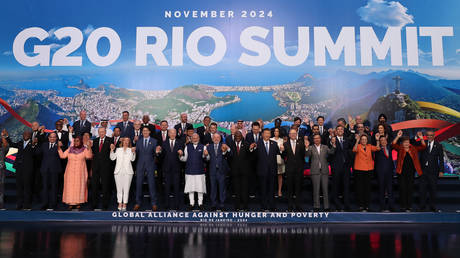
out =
column 207, row 161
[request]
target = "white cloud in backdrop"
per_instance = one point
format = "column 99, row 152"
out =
column 385, row 13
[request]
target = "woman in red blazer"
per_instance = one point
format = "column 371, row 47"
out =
column 406, row 167
column 362, row 169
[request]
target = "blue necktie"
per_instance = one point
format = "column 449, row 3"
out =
column 145, row 143
column 266, row 147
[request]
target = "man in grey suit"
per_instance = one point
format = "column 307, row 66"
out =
column 319, row 168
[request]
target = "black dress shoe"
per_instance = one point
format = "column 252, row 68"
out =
column 315, row 209
column 201, row 207
column 190, row 207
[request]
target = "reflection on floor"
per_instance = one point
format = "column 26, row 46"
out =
column 228, row 240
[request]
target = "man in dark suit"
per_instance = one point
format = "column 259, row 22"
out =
column 62, row 135
column 82, row 125
column 384, row 167
column 340, row 165
column 231, row 137
column 432, row 162
column 126, row 126
column 116, row 138
column 24, row 165
column 137, row 126
column 171, row 165
column 146, row 123
column 323, row 130
column 163, row 134
column 294, row 154
column 301, row 131
column 102, row 170
column 218, row 169
column 239, row 159
column 254, row 136
column 182, row 127
column 209, row 136
column 146, row 150
column 50, row 169
column 203, row 130
column 266, row 151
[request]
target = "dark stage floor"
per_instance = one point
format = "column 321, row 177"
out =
column 228, row 240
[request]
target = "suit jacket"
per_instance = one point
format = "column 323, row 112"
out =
column 201, row 131
column 101, row 159
column 382, row 162
column 170, row 158
column 24, row 157
column 151, row 127
column 266, row 163
column 208, row 139
column 146, row 155
column 123, row 161
column 294, row 161
column 50, row 162
column 321, row 158
column 413, row 152
column 64, row 139
column 41, row 137
column 217, row 163
column 250, row 137
column 238, row 161
column 432, row 162
column 159, row 137
column 228, row 139
column 80, row 130
column 181, row 133
column 343, row 156
column 128, row 131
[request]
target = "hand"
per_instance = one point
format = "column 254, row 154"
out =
column 356, row 137
column 329, row 130
column 136, row 138
column 90, row 144
column 400, row 133
column 306, row 142
column 112, row 146
column 41, row 129
column 377, row 136
column 93, row 124
column 306, row 120
column 420, row 134
column 224, row 147
column 205, row 152
column 282, row 148
column 66, row 122
column 35, row 141
column 70, row 129
column 158, row 150
column 180, row 152
column 4, row 133
column 187, row 140
column 332, row 133
column 333, row 139
column 441, row 174
column 59, row 144
column 133, row 149
column 253, row 145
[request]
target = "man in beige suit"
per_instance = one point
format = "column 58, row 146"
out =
column 319, row 168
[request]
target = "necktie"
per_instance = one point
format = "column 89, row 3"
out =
column 238, row 148
column 82, row 122
column 386, row 152
column 145, row 143
column 293, row 147
column 321, row 130
column 257, row 138
column 266, row 147
column 215, row 148
column 164, row 136
column 172, row 145
column 431, row 146
column 341, row 142
column 100, row 145
column 51, row 146
column 25, row 144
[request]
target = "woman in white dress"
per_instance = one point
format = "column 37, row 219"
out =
column 123, row 173
column 278, row 139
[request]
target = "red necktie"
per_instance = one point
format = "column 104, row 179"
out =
column 100, row 145
column 238, row 148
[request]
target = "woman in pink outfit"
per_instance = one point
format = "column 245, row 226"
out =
column 76, row 175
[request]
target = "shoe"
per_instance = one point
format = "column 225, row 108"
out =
column 190, row 207
column 154, row 207
column 136, row 207
column 315, row 209
column 201, row 207
column 433, row 209
column 327, row 210
column 44, row 207
column 421, row 209
column 212, row 208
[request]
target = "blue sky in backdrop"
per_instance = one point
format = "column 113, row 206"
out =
column 125, row 16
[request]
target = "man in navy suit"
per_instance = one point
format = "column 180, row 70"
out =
column 50, row 169
column 126, row 126
column 203, row 130
column 340, row 165
column 146, row 149
column 24, row 165
column 81, row 126
column 266, row 151
column 384, row 167
column 218, row 169
column 432, row 162
column 171, row 168
column 253, row 136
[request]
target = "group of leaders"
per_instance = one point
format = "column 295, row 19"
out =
column 204, row 162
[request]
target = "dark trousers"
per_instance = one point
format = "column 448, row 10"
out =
column 49, row 188
column 24, row 184
column 294, row 183
column 428, row 184
column 341, row 177
column 104, row 178
column 172, row 180
column 266, row 186
column 240, row 187
column 363, row 187
column 151, row 182
column 406, row 189
column 385, row 178
column 217, row 187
